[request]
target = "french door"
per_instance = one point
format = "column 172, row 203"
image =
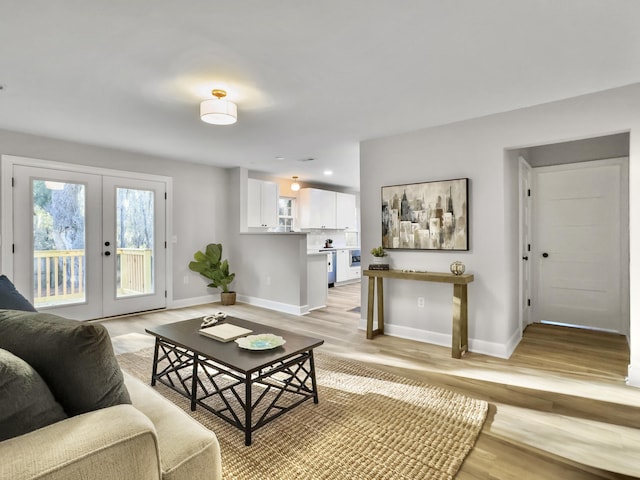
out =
column 88, row 245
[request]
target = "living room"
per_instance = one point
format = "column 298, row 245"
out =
column 483, row 113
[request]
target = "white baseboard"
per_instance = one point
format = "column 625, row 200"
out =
column 193, row 301
column 277, row 306
column 442, row 339
column 258, row 302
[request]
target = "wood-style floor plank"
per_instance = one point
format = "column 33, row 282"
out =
column 559, row 406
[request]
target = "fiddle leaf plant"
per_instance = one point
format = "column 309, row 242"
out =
column 209, row 265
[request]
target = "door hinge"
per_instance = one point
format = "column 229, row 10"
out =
column 528, row 192
column 165, row 244
column 13, row 181
column 165, row 294
column 165, row 195
column 528, row 302
column 528, row 247
column 13, row 248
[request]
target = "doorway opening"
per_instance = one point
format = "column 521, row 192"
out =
column 574, row 201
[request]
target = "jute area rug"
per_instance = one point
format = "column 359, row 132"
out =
column 368, row 425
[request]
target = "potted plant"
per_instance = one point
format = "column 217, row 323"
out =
column 209, row 265
column 378, row 254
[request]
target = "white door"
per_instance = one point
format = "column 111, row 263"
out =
column 86, row 245
column 577, row 246
column 133, row 242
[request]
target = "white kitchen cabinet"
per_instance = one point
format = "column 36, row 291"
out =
column 317, row 208
column 346, row 217
column 262, row 203
column 344, row 271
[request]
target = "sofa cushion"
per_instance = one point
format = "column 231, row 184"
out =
column 74, row 358
column 26, row 403
column 10, row 298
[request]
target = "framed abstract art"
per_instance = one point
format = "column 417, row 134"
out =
column 426, row 216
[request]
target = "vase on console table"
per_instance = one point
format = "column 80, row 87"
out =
column 379, row 264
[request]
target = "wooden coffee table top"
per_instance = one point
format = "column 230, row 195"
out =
column 185, row 334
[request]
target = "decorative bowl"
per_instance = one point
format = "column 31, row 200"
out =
column 263, row 341
column 457, row 267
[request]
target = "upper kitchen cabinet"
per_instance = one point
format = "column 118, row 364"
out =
column 317, row 208
column 346, row 217
column 327, row 209
column 262, row 203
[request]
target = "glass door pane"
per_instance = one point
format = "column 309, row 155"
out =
column 57, row 260
column 134, row 242
column 59, row 241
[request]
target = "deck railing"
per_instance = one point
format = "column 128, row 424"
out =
column 59, row 275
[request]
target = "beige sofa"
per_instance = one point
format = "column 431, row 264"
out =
column 150, row 439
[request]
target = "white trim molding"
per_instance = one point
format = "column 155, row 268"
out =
column 633, row 378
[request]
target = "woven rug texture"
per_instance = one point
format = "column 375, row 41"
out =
column 369, row 425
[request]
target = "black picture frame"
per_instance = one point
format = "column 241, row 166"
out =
column 426, row 216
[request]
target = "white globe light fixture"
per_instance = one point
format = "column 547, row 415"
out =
column 218, row 111
column 295, row 186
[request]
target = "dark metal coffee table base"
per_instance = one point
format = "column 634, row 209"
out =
column 248, row 400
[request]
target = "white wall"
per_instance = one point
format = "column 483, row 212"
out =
column 477, row 149
column 199, row 191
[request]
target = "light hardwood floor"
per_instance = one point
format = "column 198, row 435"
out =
column 559, row 407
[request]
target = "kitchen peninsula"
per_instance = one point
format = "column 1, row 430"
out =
column 274, row 269
column 281, row 275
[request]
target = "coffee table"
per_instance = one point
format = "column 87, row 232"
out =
column 247, row 388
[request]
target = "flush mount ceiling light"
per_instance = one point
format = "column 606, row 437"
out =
column 295, row 186
column 218, row 111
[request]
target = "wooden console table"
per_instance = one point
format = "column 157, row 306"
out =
column 459, row 335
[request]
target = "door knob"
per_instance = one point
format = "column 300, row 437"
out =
column 545, row 254
column 525, row 258
column 106, row 244
column 107, row 253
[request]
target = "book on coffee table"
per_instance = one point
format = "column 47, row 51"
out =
column 225, row 332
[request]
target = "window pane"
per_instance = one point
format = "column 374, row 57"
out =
column 134, row 241
column 58, row 243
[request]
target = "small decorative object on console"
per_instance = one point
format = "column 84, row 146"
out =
column 457, row 267
column 378, row 256
column 379, row 266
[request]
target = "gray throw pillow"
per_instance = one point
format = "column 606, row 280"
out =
column 12, row 299
column 26, row 403
column 75, row 359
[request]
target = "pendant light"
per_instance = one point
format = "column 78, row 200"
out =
column 218, row 111
column 295, row 186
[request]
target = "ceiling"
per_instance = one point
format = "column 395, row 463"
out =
column 311, row 78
